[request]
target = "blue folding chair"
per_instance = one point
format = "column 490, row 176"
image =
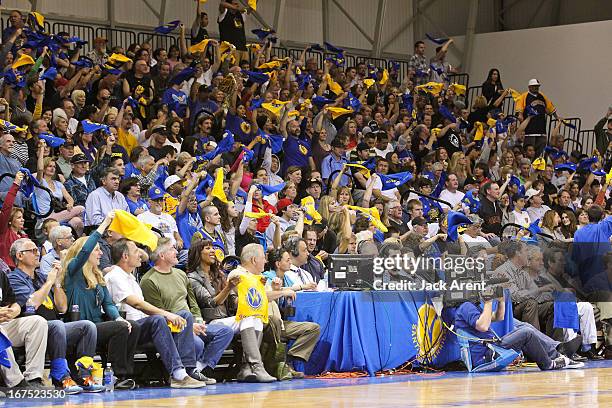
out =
column 503, row 357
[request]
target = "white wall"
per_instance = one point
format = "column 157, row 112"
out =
column 573, row 63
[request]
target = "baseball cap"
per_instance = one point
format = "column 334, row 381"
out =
column 530, row 193
column 158, row 129
column 533, row 82
column 362, row 146
column 419, row 221
column 283, row 203
column 171, row 180
column 155, row 193
column 78, row 158
column 314, row 181
column 475, row 219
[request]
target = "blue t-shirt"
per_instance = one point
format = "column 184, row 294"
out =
column 130, row 170
column 296, row 151
column 188, row 225
column 239, row 127
column 134, row 205
column 177, row 101
column 466, row 317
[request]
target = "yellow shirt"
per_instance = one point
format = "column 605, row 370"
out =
column 127, row 140
column 252, row 298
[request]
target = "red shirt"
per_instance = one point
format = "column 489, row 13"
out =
column 7, row 235
column 262, row 223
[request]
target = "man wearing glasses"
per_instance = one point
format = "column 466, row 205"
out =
column 61, row 239
column 45, row 293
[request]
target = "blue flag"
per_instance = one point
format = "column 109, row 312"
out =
column 566, row 311
column 585, row 164
column 438, row 41
column 534, row 228
column 5, row 343
column 168, row 27
column 257, row 77
column 91, row 127
column 52, row 140
column 304, row 80
column 50, row 74
column 390, row 181
column 569, row 166
column 262, row 33
column 320, row 101
column 162, row 175
column 316, row 47
column 28, row 183
column 555, row 153
column 446, row 113
column 200, row 191
column 471, row 200
column 332, row 48
column 83, row 62
column 183, row 76
column 224, row 146
column 351, row 102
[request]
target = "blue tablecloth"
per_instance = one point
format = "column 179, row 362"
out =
column 374, row 330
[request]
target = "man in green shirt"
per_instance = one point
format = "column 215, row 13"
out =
column 169, row 289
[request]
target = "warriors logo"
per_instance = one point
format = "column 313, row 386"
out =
column 254, row 298
column 427, row 334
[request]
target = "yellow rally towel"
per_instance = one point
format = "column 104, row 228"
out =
column 515, row 95
column 24, row 59
column 132, row 228
column 336, row 112
column 539, row 164
column 363, row 169
column 174, row 328
column 271, row 65
column 609, row 177
column 275, row 106
column 491, row 122
column 252, row 299
column 87, row 363
column 312, row 213
column 254, row 47
column 372, row 214
column 368, row 82
column 479, row 131
column 459, row 89
column 217, row 190
column 433, row 88
column 199, row 47
column 333, row 85
column 253, row 4
column 385, row 77
column 114, row 58
column 257, row 215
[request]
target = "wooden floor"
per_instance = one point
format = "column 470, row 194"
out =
column 576, row 388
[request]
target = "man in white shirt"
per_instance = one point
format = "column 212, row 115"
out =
column 298, row 251
column 150, row 320
column 537, row 208
column 451, row 193
column 382, row 167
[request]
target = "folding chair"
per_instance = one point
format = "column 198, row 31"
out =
column 503, row 357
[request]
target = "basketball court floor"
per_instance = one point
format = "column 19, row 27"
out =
column 527, row 387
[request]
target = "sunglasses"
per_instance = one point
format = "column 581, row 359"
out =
column 32, row 250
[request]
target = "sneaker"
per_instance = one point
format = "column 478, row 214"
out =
column 186, row 382
column 197, row 375
column 86, row 381
column 36, row 384
column 69, row 386
column 590, row 355
column 577, row 357
column 125, row 384
column 573, row 364
column 570, row 347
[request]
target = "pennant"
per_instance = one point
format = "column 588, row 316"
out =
column 199, row 47
column 168, row 27
column 336, row 112
column 455, row 220
column 267, row 190
column 109, row 69
column 253, row 47
column 438, row 41
column 83, row 62
column 598, row 172
column 92, row 127
column 472, row 200
column 372, row 214
column 23, row 60
column 333, row 85
column 458, row 89
column 50, row 74
column 217, row 189
column 352, row 102
column 275, row 141
column 569, row 166
column 329, row 47
column 162, row 175
column 517, row 182
column 539, row 164
column 70, row 40
column 225, row 145
column 362, row 169
column 227, row 51
column 491, row 122
column 337, row 60
column 568, row 124
column 479, row 134
column 262, row 33
column 132, row 228
column 433, row 88
column 391, row 181
column 257, row 77
column 310, row 212
column 385, row 77
column 248, row 154
column 51, row 140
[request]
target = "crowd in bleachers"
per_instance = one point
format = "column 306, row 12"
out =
column 245, row 164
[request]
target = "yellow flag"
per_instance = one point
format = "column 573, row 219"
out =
column 114, row 58
column 253, row 4
column 479, row 131
column 368, row 82
column 433, row 88
column 515, row 95
column 252, row 298
column 132, row 228
column 333, row 85
column 309, row 207
column 372, row 214
column 275, row 106
column 227, row 50
column 363, row 169
column 336, row 112
column 199, row 47
column 459, row 89
column 385, row 77
column 271, row 65
column 539, row 164
column 491, row 122
column 24, row 59
column 217, row 190
column 293, row 114
column 254, row 47
column 256, row 215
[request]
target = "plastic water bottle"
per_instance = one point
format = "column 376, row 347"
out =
column 30, row 308
column 109, row 381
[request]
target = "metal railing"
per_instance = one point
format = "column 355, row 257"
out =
column 588, row 140
column 156, row 40
column 116, row 37
column 461, row 79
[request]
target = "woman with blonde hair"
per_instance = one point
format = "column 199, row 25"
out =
column 86, row 288
column 459, row 165
column 551, row 225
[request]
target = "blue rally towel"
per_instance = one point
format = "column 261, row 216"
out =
column 566, row 311
column 390, row 181
column 5, row 343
